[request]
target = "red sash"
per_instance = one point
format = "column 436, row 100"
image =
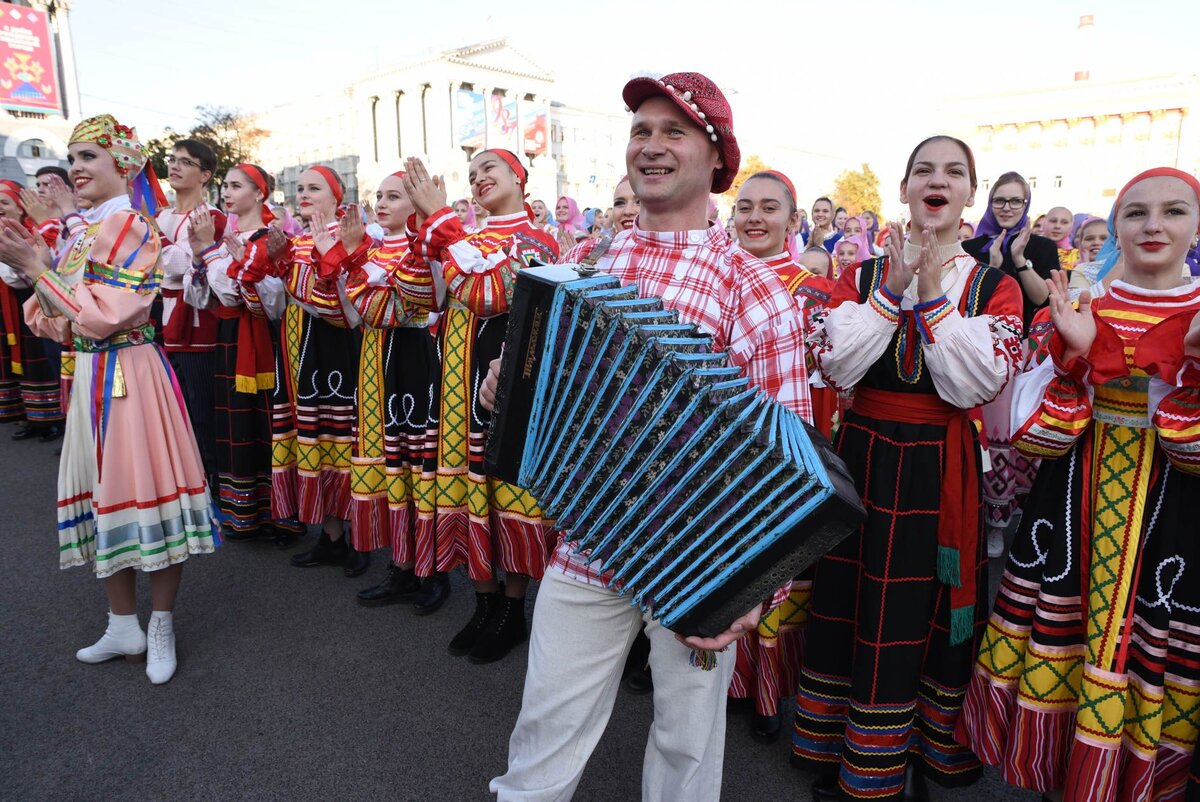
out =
column 958, row 516
column 255, row 369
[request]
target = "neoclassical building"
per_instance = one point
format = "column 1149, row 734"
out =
column 39, row 90
column 1079, row 142
column 443, row 107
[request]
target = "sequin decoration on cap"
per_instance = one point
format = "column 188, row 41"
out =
column 704, row 103
column 119, row 140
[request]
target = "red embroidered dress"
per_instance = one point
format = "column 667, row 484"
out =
column 1088, row 678
column 768, row 659
column 481, row 521
column 392, row 471
column 313, row 409
column 897, row 608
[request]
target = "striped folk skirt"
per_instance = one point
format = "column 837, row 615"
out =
column 30, row 388
column 392, row 472
column 483, row 523
column 131, row 487
column 769, row 658
column 242, row 450
column 881, row 684
column 312, row 418
column 1088, row 677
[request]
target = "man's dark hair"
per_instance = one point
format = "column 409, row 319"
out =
column 200, row 152
column 54, row 170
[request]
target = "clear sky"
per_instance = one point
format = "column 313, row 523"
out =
column 804, row 74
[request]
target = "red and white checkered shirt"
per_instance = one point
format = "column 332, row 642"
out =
column 728, row 294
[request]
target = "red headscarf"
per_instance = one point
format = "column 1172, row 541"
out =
column 259, row 179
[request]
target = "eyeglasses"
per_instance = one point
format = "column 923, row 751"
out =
column 1005, row 203
column 182, row 161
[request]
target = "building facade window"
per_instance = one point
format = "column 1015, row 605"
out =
column 33, row 149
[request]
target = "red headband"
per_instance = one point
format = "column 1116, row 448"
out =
column 256, row 175
column 787, row 182
column 513, row 162
column 522, row 174
column 1169, row 172
column 13, row 190
column 335, row 184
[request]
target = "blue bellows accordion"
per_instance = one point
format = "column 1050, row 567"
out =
column 654, row 455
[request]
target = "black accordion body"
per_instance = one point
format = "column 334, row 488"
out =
column 699, row 493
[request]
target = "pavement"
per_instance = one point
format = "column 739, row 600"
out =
column 287, row 689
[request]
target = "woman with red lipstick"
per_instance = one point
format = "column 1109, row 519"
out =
column 488, row 525
column 392, row 471
column 131, row 488
column 231, row 276
column 625, row 206
column 1086, row 682
column 314, row 410
column 768, row 658
column 922, row 338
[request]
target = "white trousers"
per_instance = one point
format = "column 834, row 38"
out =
column 581, row 635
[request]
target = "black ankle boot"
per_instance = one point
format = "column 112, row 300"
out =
column 326, row 552
column 766, row 729
column 915, row 787
column 399, row 586
column 826, row 787
column 485, row 604
column 504, row 630
column 639, row 681
column 357, row 562
column 434, row 592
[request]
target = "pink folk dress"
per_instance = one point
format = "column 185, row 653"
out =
column 131, row 488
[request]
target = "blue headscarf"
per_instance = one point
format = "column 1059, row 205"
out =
column 1110, row 251
column 989, row 227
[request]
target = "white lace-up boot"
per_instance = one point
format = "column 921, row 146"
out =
column 160, row 648
column 123, row 638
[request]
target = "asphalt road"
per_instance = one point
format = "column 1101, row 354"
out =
column 286, row 688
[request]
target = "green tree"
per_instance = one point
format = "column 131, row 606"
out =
column 158, row 149
column 753, row 164
column 232, row 135
column 857, row 190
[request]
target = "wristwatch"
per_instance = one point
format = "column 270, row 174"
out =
column 1027, row 266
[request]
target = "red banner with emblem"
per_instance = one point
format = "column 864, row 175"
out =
column 28, row 69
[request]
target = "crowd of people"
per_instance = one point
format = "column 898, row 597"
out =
column 233, row 374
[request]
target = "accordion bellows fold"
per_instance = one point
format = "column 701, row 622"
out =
column 698, row 493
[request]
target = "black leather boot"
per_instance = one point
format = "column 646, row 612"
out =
column 399, row 586
column 826, row 787
column 434, row 592
column 357, row 562
column 326, row 552
column 766, row 729
column 504, row 630
column 485, row 605
column 915, row 787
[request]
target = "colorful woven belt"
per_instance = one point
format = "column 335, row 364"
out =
column 122, row 339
